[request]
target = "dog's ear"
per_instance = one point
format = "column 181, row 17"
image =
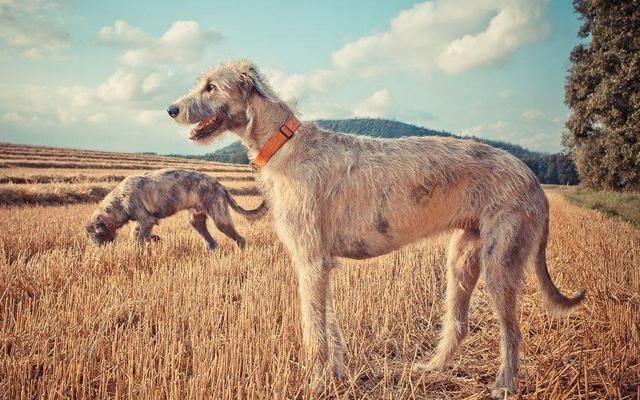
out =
column 250, row 77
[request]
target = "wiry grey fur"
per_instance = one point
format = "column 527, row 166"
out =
column 154, row 195
column 339, row 195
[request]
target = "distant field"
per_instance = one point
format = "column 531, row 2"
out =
column 51, row 176
column 169, row 320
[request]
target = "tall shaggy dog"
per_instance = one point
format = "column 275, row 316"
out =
column 339, row 195
column 154, row 195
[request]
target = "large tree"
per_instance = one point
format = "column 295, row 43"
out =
column 603, row 92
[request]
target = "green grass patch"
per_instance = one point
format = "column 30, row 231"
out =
column 625, row 206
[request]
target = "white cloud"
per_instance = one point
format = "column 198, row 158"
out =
column 12, row 116
column 439, row 35
column 120, row 86
column 26, row 25
column 299, row 85
column 313, row 111
column 517, row 23
column 505, row 94
column 98, row 118
column 376, row 105
column 499, row 125
column 133, row 91
column 76, row 96
column 527, row 135
column 150, row 117
column 473, row 131
column 492, row 130
column 448, row 35
column 533, row 113
column 122, row 34
column 66, row 115
column 151, row 82
column 183, row 43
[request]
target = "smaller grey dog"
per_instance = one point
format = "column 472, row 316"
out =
column 154, row 195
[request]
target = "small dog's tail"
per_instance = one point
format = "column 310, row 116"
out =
column 557, row 304
column 250, row 215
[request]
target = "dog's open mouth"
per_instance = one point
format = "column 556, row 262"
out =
column 205, row 128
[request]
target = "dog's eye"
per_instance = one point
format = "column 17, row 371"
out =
column 211, row 87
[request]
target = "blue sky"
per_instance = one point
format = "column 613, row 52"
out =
column 100, row 74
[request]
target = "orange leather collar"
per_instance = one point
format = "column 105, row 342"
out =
column 276, row 141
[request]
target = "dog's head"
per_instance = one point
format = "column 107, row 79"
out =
column 100, row 228
column 221, row 100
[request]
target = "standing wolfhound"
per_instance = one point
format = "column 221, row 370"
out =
column 339, row 195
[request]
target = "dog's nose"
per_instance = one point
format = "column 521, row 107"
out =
column 173, row 110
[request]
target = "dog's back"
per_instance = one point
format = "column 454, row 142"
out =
column 167, row 191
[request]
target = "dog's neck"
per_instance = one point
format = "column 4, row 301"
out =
column 112, row 214
column 267, row 118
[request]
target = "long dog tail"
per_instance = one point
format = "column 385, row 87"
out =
column 250, row 215
column 557, row 304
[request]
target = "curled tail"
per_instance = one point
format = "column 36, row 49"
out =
column 557, row 304
column 250, row 215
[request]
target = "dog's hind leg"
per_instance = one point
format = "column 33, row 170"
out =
column 219, row 213
column 463, row 269
column 505, row 249
column 198, row 221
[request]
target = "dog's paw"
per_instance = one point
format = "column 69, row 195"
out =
column 502, row 392
column 435, row 364
column 339, row 371
column 420, row 368
column 210, row 247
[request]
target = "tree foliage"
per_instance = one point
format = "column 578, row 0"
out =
column 603, row 92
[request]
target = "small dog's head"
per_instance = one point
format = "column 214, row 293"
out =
column 100, row 228
column 220, row 101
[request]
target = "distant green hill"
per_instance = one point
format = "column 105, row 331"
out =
column 549, row 168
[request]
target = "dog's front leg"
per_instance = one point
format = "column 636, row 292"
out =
column 135, row 231
column 313, row 284
column 144, row 230
column 336, row 340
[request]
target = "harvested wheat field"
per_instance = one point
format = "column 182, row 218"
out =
column 170, row 321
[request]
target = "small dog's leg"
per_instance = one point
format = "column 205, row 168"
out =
column 135, row 231
column 230, row 230
column 220, row 216
column 463, row 269
column 144, row 231
column 198, row 221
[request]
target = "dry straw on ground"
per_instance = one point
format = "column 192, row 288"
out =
column 172, row 321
